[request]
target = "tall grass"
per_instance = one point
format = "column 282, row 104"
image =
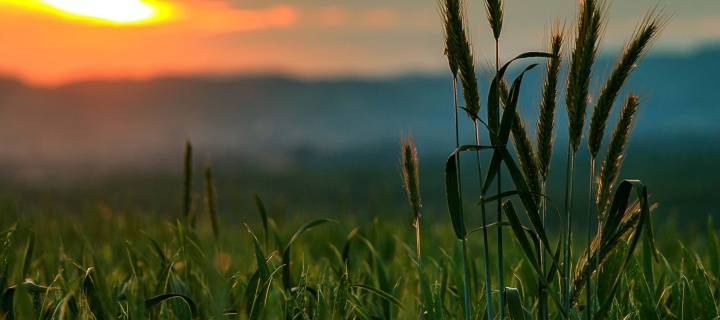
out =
column 534, row 162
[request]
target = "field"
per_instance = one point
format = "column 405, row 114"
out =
column 517, row 221
column 112, row 262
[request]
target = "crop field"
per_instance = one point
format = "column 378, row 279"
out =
column 516, row 230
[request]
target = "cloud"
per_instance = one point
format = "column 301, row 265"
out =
column 380, row 18
column 221, row 17
column 330, row 16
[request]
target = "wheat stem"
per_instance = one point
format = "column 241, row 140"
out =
column 486, row 244
column 211, row 203
column 570, row 179
column 588, row 296
column 187, row 186
column 501, row 275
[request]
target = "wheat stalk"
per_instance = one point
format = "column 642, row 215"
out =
column 643, row 38
column 581, row 63
column 211, row 201
column 614, row 156
column 548, row 105
column 410, row 174
column 187, row 186
column 495, row 16
column 459, row 52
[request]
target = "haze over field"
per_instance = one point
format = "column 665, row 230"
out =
column 280, row 126
column 290, row 86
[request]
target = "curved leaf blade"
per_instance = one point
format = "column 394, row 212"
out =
column 149, row 303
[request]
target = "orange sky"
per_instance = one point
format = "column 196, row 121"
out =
column 48, row 47
column 307, row 38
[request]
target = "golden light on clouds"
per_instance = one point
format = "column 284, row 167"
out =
column 188, row 16
column 56, row 41
column 220, row 16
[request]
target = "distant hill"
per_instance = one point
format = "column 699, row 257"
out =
column 281, row 123
column 323, row 145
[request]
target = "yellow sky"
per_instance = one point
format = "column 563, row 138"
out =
column 311, row 38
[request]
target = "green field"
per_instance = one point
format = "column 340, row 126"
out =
column 112, row 263
column 490, row 232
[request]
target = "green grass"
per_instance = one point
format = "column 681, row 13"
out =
column 200, row 261
column 114, row 265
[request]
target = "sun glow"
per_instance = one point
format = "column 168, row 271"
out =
column 105, row 11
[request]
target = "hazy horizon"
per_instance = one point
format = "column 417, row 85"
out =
column 306, row 39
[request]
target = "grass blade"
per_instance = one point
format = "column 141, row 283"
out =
column 287, row 272
column 426, row 295
column 505, row 126
column 641, row 290
column 514, row 304
column 610, row 271
column 452, row 191
column 149, row 303
column 713, row 248
column 527, row 246
column 263, row 216
column 452, row 196
column 700, row 285
column 342, row 296
column 627, row 186
column 493, row 98
column 687, row 306
column 27, row 257
column 259, row 285
column 5, row 256
column 92, row 294
column 526, row 198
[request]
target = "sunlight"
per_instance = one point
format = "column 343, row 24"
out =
column 105, row 11
column 114, row 10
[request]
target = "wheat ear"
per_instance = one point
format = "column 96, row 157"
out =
column 643, row 38
column 582, row 60
column 548, row 105
column 495, row 16
column 615, row 151
column 459, row 52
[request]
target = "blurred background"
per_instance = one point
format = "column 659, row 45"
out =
column 303, row 102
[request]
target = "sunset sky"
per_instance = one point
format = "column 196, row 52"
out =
column 43, row 45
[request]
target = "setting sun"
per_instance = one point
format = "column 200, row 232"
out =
column 103, row 11
column 120, row 11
